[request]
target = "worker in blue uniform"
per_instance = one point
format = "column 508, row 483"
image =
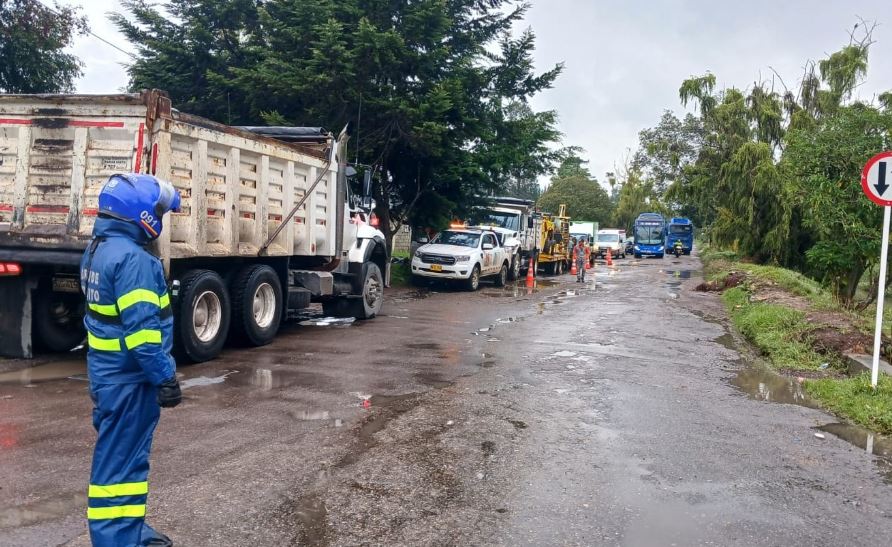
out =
column 129, row 335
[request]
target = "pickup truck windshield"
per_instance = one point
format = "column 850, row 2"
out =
column 608, row 238
column 462, row 239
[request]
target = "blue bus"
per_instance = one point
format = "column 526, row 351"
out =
column 650, row 235
column 680, row 229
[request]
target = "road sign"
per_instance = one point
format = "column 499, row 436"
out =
column 876, row 179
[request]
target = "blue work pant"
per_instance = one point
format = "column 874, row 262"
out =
column 125, row 416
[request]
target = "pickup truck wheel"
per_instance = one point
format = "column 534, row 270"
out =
column 502, row 279
column 473, row 282
column 202, row 315
column 57, row 321
column 256, row 305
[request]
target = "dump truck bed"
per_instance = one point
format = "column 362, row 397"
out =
column 56, row 151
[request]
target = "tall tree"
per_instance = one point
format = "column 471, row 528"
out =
column 33, row 39
column 437, row 90
column 575, row 187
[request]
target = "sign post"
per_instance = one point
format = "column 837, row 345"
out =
column 874, row 183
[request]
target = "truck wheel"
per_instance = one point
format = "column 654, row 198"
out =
column 502, row 278
column 364, row 306
column 57, row 320
column 514, row 271
column 256, row 305
column 202, row 315
column 372, row 294
column 473, row 282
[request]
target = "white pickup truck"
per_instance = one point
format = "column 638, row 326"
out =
column 462, row 254
column 267, row 224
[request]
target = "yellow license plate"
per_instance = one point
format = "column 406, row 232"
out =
column 436, row 268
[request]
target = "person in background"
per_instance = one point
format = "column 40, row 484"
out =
column 579, row 255
column 129, row 336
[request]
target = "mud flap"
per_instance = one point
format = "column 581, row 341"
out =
column 15, row 316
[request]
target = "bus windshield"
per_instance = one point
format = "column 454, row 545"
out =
column 680, row 229
column 649, row 235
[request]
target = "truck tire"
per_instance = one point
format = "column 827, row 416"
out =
column 501, row 279
column 57, row 320
column 473, row 281
column 257, row 305
column 514, row 270
column 372, row 293
column 201, row 316
column 362, row 306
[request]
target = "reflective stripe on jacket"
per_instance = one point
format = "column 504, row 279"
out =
column 129, row 320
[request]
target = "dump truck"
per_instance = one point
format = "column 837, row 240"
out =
column 267, row 225
column 554, row 242
column 518, row 223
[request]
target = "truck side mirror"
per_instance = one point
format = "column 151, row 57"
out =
column 488, row 247
column 530, row 223
column 367, row 184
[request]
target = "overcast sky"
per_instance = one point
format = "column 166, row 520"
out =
column 626, row 59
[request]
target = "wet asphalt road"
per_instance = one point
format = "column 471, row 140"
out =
column 608, row 413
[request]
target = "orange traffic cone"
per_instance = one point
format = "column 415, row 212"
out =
column 573, row 270
column 588, row 265
column 531, row 279
column 609, row 258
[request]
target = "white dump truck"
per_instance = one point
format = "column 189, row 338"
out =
column 518, row 223
column 267, row 226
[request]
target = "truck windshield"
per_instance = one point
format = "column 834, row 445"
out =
column 608, row 238
column 649, row 235
column 503, row 220
column 680, row 229
column 462, row 239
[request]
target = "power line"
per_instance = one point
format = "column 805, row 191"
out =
column 90, row 32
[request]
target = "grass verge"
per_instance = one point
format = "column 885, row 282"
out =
column 782, row 334
column 854, row 399
column 778, row 332
column 400, row 274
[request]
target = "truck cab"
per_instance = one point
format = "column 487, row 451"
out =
column 611, row 241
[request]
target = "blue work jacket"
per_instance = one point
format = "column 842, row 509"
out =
column 128, row 315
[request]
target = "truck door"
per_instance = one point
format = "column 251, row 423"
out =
column 489, row 255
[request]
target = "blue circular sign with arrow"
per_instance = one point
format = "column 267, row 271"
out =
column 876, row 179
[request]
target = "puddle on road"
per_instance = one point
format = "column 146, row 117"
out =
column 681, row 274
column 873, row 444
column 58, row 370
column 518, row 289
column 765, row 385
column 201, row 381
column 328, row 322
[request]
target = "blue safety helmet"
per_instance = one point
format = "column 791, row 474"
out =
column 140, row 199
